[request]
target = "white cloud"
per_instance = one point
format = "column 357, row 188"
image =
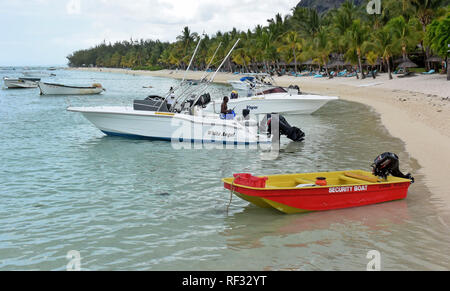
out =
column 164, row 19
column 91, row 22
column 73, row 7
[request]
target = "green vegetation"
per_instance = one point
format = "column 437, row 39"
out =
column 407, row 29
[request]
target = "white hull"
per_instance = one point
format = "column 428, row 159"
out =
column 56, row 89
column 245, row 86
column 19, row 83
column 125, row 121
column 282, row 103
column 239, row 85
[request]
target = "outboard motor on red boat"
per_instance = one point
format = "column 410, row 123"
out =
column 292, row 132
column 388, row 164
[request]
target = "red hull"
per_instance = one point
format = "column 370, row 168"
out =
column 328, row 198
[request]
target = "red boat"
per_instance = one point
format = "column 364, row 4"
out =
column 296, row 193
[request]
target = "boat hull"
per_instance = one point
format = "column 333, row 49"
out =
column 299, row 200
column 127, row 122
column 56, row 89
column 19, row 83
column 239, row 85
column 281, row 103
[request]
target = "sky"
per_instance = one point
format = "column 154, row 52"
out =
column 44, row 32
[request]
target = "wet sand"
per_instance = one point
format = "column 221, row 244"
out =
column 416, row 110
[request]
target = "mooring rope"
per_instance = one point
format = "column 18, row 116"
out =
column 231, row 194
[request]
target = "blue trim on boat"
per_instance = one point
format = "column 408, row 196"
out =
column 133, row 136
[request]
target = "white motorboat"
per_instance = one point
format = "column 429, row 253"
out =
column 168, row 126
column 20, row 83
column 239, row 85
column 58, row 89
column 251, row 82
column 184, row 120
column 275, row 100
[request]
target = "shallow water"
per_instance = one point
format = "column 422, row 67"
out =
column 141, row 205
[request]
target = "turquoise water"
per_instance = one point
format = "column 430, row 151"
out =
column 141, row 205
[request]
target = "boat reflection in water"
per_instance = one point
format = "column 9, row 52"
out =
column 248, row 229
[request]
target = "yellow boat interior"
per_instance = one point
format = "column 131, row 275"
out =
column 308, row 180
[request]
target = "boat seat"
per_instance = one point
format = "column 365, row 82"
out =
column 303, row 181
column 371, row 179
column 351, row 180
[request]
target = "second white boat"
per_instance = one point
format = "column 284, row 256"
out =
column 58, row 89
column 275, row 100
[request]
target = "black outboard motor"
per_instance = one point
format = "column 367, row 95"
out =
column 292, row 132
column 203, row 100
column 388, row 164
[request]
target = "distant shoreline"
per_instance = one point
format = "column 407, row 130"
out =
column 416, row 110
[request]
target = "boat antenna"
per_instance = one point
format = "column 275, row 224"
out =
column 192, row 58
column 213, row 76
column 210, row 62
column 185, row 73
column 223, row 62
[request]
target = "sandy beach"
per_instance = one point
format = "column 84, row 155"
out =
column 416, row 110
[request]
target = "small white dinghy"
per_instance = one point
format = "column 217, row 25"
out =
column 59, row 89
column 20, row 83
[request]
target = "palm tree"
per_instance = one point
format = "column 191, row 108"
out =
column 372, row 58
column 292, row 43
column 356, row 36
column 321, row 47
column 186, row 39
column 405, row 33
column 426, row 10
column 307, row 21
column 384, row 45
column 439, row 38
column 344, row 16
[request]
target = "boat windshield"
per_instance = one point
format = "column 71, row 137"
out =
column 247, row 78
column 272, row 90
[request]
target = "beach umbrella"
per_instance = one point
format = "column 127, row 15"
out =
column 340, row 63
column 407, row 64
column 434, row 59
column 308, row 62
column 398, row 61
column 331, row 65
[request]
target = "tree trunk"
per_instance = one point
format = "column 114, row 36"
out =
column 295, row 61
column 425, row 49
column 326, row 67
column 448, row 70
column 360, row 67
column 389, row 69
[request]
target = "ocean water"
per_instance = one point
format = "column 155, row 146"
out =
column 126, row 204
